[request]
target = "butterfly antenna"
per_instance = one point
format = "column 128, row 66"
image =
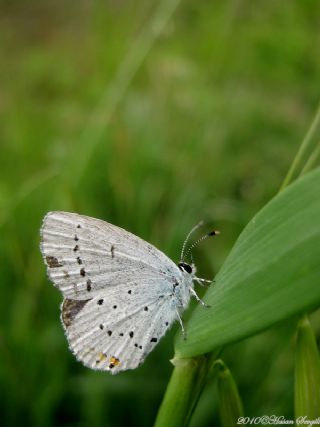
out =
column 212, row 233
column 200, row 224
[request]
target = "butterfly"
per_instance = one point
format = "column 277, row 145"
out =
column 121, row 294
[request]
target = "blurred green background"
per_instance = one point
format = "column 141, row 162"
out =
column 151, row 115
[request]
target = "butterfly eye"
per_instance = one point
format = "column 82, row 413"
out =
column 186, row 267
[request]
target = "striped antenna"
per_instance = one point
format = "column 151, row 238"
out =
column 212, row 233
column 200, row 224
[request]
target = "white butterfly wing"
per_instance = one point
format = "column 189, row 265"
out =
column 117, row 332
column 85, row 255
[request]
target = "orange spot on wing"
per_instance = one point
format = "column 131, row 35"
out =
column 114, row 361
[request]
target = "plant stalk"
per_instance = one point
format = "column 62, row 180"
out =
column 184, row 388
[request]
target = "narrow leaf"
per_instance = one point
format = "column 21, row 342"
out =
column 230, row 405
column 306, row 154
column 307, row 374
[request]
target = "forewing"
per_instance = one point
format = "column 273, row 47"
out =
column 85, row 255
column 116, row 330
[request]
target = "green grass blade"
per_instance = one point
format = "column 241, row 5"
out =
column 312, row 161
column 305, row 154
column 230, row 405
column 272, row 272
column 307, row 373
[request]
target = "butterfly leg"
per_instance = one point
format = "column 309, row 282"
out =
column 193, row 292
column 181, row 324
column 202, row 282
